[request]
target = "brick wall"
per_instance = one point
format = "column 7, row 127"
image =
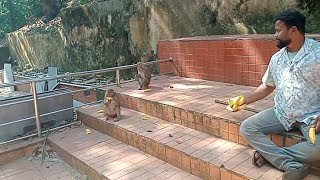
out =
column 231, row 59
column 22, row 87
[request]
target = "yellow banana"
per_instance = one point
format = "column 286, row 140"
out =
column 87, row 131
column 312, row 135
column 236, row 103
column 146, row 117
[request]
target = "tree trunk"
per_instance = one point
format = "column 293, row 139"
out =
column 11, row 18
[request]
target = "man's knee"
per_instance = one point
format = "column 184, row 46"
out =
column 247, row 126
column 243, row 127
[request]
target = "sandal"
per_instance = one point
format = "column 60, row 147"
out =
column 258, row 157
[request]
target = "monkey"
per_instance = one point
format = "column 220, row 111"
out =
column 111, row 105
column 143, row 77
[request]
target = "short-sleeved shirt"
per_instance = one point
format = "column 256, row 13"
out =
column 297, row 83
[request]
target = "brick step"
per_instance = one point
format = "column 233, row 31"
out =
column 213, row 122
column 194, row 151
column 191, row 103
column 100, row 156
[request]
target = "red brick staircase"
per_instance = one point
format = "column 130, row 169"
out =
column 186, row 129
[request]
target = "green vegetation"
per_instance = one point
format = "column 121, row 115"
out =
column 312, row 11
column 16, row 13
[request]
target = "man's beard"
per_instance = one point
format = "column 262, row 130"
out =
column 283, row 43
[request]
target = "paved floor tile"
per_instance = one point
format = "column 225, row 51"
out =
column 117, row 161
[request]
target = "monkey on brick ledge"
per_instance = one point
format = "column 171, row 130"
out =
column 143, row 77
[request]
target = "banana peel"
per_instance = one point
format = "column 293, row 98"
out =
column 235, row 104
column 146, row 117
column 161, row 126
column 312, row 134
column 87, row 131
column 148, row 90
column 238, row 108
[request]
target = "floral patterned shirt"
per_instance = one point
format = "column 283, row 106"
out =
column 297, row 83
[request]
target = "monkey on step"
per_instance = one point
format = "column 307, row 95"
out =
column 143, row 77
column 111, row 105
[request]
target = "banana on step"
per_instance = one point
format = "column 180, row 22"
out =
column 312, row 135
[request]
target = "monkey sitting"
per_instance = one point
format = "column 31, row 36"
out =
column 111, row 105
column 143, row 77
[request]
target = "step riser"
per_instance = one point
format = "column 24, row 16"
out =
column 211, row 125
column 215, row 126
column 157, row 149
column 76, row 163
column 15, row 153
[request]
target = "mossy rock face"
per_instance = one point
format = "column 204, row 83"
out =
column 120, row 32
column 91, row 37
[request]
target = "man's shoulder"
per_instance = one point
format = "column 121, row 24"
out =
column 313, row 45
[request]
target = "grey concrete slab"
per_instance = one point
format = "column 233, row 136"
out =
column 52, row 71
column 8, row 76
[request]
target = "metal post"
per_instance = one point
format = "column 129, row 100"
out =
column 36, row 108
column 118, row 78
column 174, row 67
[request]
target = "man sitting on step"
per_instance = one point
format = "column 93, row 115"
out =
column 294, row 74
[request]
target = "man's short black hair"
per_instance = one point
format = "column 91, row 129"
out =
column 292, row 18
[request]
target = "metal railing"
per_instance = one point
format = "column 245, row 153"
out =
column 33, row 82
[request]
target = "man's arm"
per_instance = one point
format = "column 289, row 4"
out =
column 261, row 92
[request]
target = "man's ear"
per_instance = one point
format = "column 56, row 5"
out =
column 294, row 28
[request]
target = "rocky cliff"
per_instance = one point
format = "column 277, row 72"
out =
column 112, row 32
